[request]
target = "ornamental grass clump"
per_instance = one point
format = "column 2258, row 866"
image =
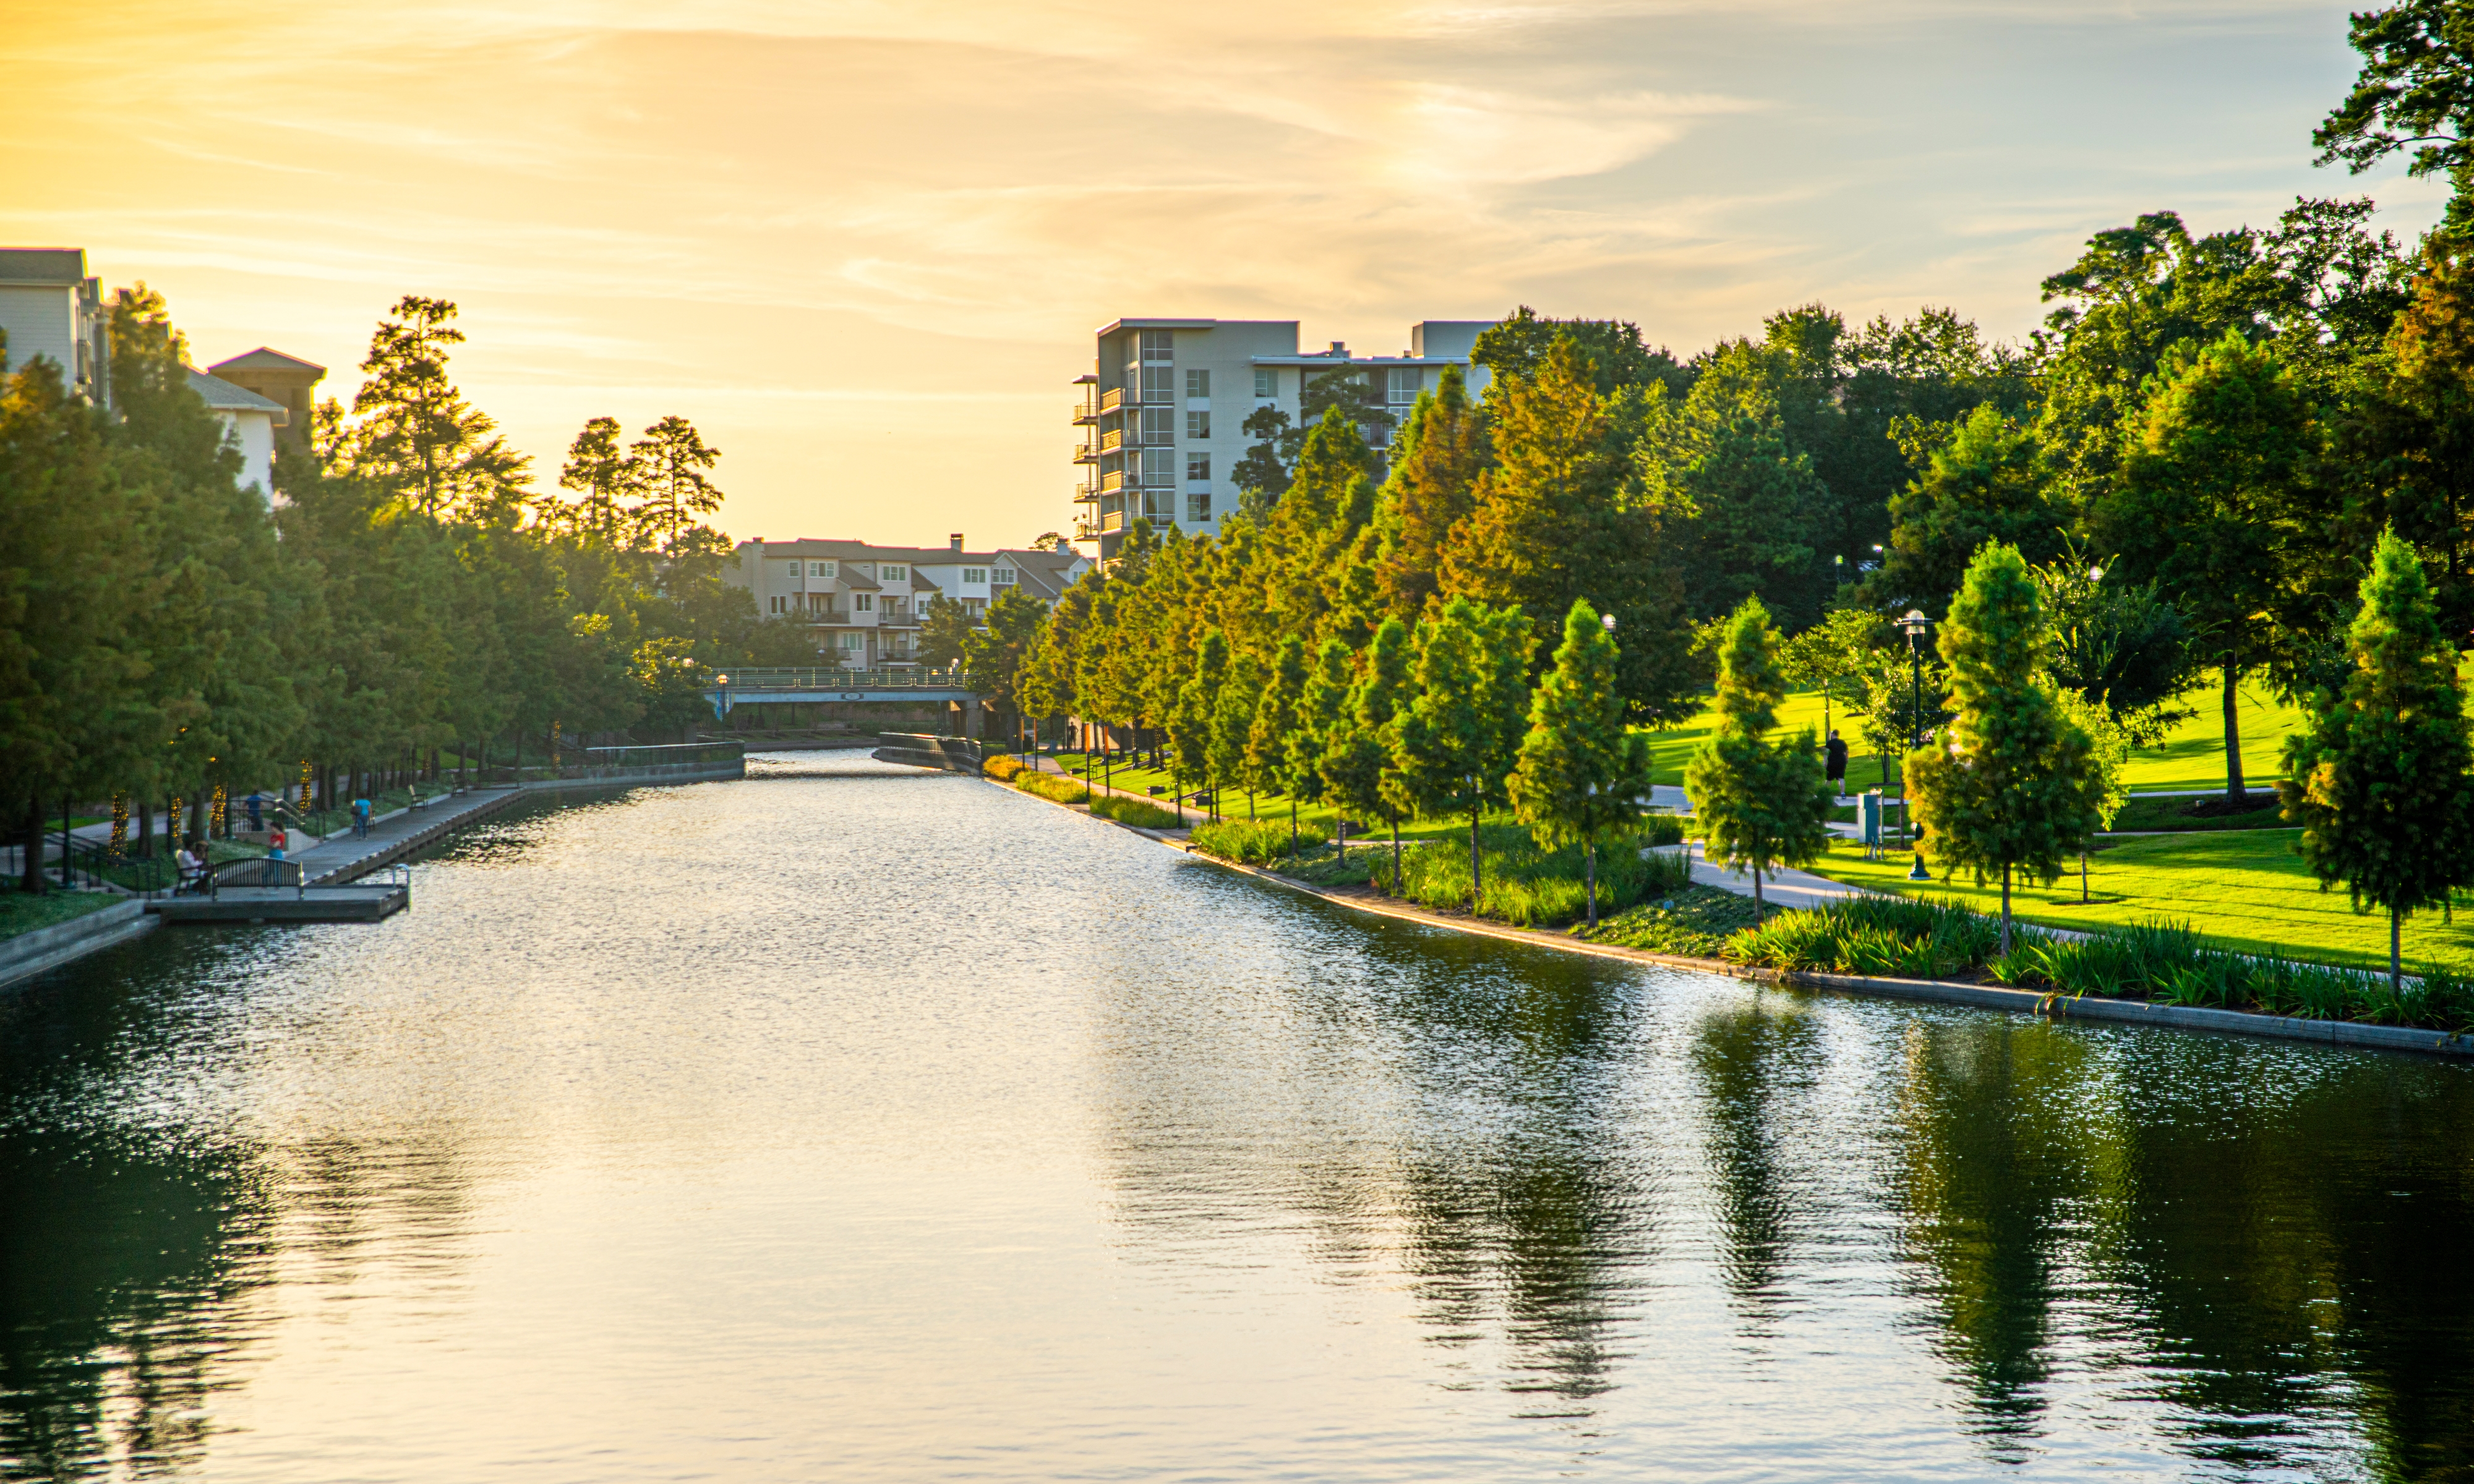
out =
column 1061, row 790
column 1252, row 842
column 1141, row 813
column 1878, row 936
column 1002, row 767
column 1529, row 887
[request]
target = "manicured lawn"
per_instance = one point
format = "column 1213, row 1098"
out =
column 2243, row 889
column 2171, row 812
column 1233, row 803
column 2192, row 755
column 20, row 913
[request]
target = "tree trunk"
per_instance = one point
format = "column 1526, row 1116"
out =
column 2233, row 734
column 145, row 827
column 1590, row 855
column 1396, row 855
column 1293, row 826
column 1758, row 913
column 2396, row 965
column 2083, row 895
column 30, row 841
column 1473, row 856
column 2005, row 909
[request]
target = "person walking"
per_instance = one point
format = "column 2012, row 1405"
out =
column 1835, row 763
column 360, row 819
column 274, row 844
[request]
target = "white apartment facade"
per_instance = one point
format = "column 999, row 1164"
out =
column 863, row 602
column 1164, row 406
column 250, row 423
column 50, row 309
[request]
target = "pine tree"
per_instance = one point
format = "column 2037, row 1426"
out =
column 672, row 458
column 1581, row 773
column 2379, row 782
column 1759, row 803
column 1360, row 770
column 1457, row 736
column 1435, row 467
column 604, row 478
column 2011, row 786
column 417, row 437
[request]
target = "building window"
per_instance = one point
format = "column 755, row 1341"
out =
column 1406, row 383
column 1198, row 424
column 1002, row 577
column 1160, row 466
column 893, row 574
column 778, row 605
column 820, row 568
column 850, row 641
column 1159, row 425
column 1198, row 465
column 1197, row 506
column 975, row 574
column 1159, row 383
column 862, row 602
column 1154, row 344
column 1197, row 383
column 975, row 607
column 1267, row 381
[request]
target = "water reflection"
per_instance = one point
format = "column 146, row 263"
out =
column 846, row 1121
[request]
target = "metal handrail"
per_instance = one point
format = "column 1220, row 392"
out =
column 835, row 678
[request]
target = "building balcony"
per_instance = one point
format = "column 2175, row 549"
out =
column 1113, row 520
column 1086, row 529
column 1085, row 453
column 1084, row 415
column 1112, row 482
column 1086, row 495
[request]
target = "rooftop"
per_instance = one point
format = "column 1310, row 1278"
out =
column 42, row 265
column 223, row 396
column 267, row 358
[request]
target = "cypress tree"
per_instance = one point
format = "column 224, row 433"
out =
column 1581, row 773
column 2379, row 782
column 2012, row 784
column 1322, row 711
column 1456, row 737
column 1360, row 772
column 1189, row 723
column 1759, row 804
column 1276, row 721
column 1232, row 719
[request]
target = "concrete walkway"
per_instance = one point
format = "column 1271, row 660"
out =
column 392, row 836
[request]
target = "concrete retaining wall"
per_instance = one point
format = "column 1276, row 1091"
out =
column 47, row 948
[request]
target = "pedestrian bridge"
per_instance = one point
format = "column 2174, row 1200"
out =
column 787, row 686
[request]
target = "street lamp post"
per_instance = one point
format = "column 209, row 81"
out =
column 1914, row 623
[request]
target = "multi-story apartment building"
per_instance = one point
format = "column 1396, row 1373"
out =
column 1165, row 404
column 49, row 307
column 863, row 603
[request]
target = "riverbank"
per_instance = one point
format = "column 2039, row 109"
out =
column 1982, row 996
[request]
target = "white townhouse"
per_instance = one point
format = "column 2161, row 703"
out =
column 250, row 423
column 863, row 603
column 1163, row 410
column 50, row 309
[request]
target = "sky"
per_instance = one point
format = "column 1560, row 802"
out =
column 863, row 246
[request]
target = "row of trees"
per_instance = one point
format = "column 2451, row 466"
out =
column 169, row 637
column 2188, row 474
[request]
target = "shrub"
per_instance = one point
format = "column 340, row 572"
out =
column 1252, row 842
column 1002, row 768
column 1140, row 812
column 1693, row 922
column 1659, row 830
column 1046, row 786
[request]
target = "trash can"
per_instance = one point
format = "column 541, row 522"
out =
column 1867, row 814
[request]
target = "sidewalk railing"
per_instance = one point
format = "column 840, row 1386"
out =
column 835, row 678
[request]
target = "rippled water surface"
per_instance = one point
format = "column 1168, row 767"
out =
column 852, row 1124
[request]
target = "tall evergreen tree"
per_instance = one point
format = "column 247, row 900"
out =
column 417, row 435
column 1582, row 774
column 1232, row 722
column 1322, row 715
column 1457, row 736
column 1551, row 524
column 1277, row 720
column 606, row 480
column 1435, row 467
column 1759, row 803
column 2012, row 786
column 1189, row 725
column 1360, row 768
column 2378, row 783
column 672, row 458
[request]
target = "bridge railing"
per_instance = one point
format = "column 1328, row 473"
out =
column 835, row 678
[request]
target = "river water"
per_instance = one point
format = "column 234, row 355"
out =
column 853, row 1123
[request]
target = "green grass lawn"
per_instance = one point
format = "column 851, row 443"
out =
column 2243, row 890
column 2192, row 755
column 2168, row 812
column 20, row 913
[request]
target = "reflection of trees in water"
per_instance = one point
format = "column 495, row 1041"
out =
column 118, row 1270
column 1435, row 1106
column 1750, row 1058
column 2293, row 1235
column 2278, row 1237
column 137, row 1247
